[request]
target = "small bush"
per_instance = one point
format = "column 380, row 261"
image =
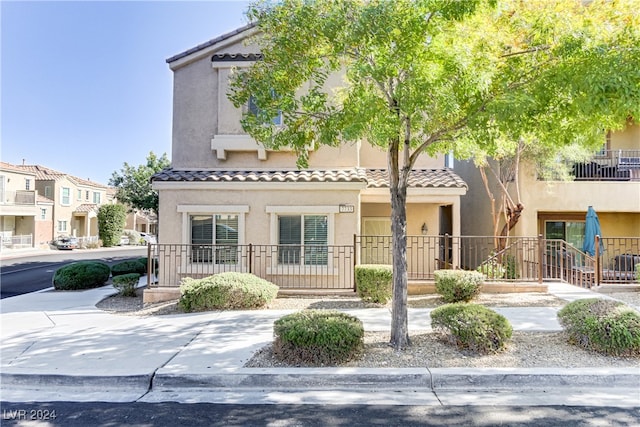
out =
column 144, row 261
column 605, row 326
column 472, row 326
column 374, row 283
column 226, row 291
column 458, row 285
column 511, row 267
column 492, row 270
column 318, row 338
column 81, row 275
column 126, row 284
column 126, row 267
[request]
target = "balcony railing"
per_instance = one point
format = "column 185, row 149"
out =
column 607, row 165
column 19, row 197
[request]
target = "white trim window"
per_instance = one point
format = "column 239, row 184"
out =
column 253, row 109
column 65, row 196
column 96, row 197
column 62, row 226
column 215, row 238
column 303, row 239
column 79, row 195
column 43, row 213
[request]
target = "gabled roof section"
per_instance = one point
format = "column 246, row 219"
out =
column 13, row 168
column 211, row 46
column 46, row 174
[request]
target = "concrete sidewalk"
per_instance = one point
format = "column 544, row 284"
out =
column 59, row 346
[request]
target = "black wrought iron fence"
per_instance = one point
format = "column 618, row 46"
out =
column 288, row 266
column 331, row 267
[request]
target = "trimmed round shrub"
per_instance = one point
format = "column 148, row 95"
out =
column 318, row 338
column 374, row 283
column 458, row 285
column 127, row 267
column 81, row 275
column 472, row 327
column 606, row 326
column 144, row 261
column 126, row 284
column 226, row 291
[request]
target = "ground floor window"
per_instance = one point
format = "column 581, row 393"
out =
column 62, row 226
column 215, row 237
column 570, row 231
column 303, row 239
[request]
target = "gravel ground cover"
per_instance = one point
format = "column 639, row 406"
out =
column 428, row 349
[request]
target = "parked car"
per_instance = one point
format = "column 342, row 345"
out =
column 148, row 238
column 66, row 243
column 124, row 240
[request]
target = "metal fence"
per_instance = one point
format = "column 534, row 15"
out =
column 312, row 267
column 20, row 241
column 322, row 267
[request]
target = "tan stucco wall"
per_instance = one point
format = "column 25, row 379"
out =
column 257, row 220
column 417, row 214
column 629, row 139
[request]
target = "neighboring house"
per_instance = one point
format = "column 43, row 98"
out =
column 142, row 221
column 20, row 212
column 556, row 209
column 75, row 201
column 226, row 189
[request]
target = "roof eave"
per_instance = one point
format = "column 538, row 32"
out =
column 208, row 48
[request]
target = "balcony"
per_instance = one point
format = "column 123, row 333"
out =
column 19, row 197
column 607, row 165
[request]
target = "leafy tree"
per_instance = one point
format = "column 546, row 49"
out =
column 111, row 220
column 429, row 76
column 133, row 184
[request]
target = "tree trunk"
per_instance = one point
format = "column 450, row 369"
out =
column 399, row 315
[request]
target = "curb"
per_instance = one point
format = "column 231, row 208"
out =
column 409, row 378
column 125, row 382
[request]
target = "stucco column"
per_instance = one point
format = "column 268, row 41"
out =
column 455, row 230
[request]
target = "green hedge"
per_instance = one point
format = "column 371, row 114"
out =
column 111, row 220
column 127, row 267
column 374, row 282
column 318, row 338
column 81, row 275
column 472, row 326
column 458, row 285
column 226, row 291
column 126, row 284
column 605, row 326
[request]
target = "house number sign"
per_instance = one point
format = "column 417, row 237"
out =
column 346, row 208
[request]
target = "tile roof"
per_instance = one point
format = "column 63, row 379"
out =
column 236, row 57
column 9, row 167
column 87, row 207
column 420, row 178
column 210, row 43
column 334, row 175
column 47, row 174
column 375, row 178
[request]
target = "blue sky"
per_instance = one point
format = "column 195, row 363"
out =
column 85, row 86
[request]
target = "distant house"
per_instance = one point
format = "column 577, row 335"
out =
column 25, row 216
column 224, row 188
column 75, row 201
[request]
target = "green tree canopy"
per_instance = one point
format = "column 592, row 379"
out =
column 133, row 184
column 476, row 77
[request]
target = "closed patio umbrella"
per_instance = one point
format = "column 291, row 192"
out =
column 591, row 230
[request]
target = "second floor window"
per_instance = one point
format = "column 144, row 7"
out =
column 27, row 184
column 47, row 192
column 96, row 197
column 65, row 196
column 255, row 110
column 86, row 195
column 43, row 213
column 79, row 194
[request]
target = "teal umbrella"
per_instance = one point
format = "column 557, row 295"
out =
column 591, row 230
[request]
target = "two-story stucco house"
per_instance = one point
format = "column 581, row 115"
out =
column 25, row 216
column 75, row 201
column 224, row 188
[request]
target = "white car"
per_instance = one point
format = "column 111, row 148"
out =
column 124, row 240
column 149, row 238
